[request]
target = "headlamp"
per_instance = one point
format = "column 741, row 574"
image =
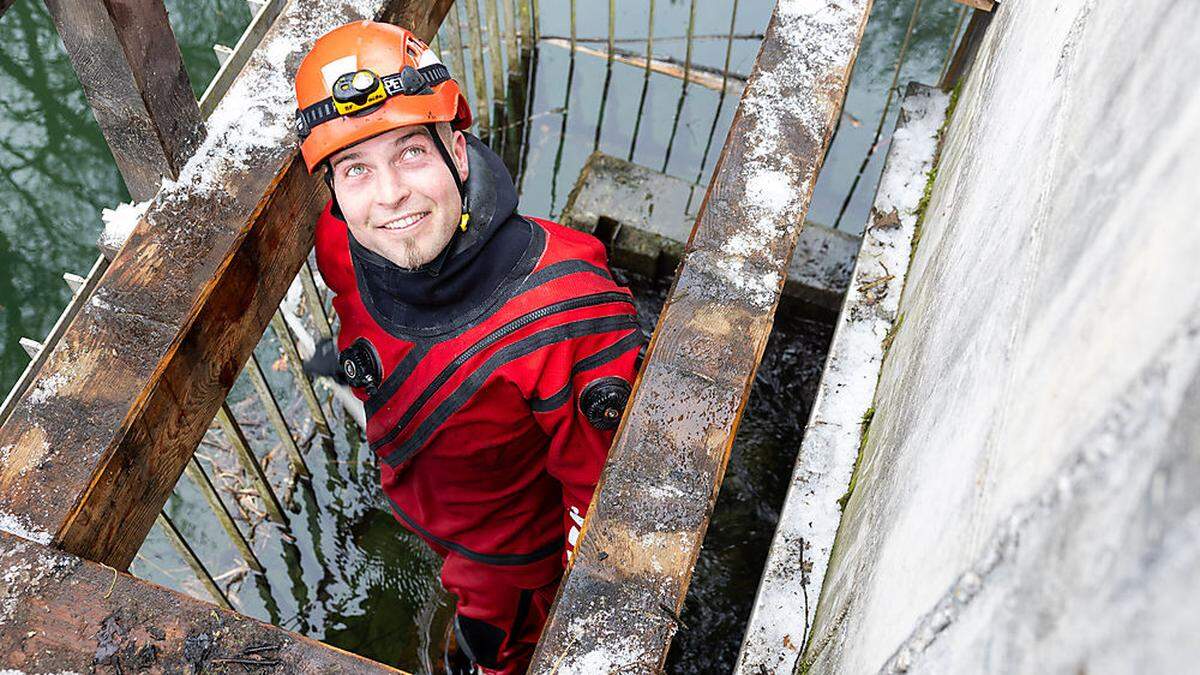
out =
column 354, row 91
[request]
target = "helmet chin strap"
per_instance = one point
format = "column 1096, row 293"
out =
column 433, row 267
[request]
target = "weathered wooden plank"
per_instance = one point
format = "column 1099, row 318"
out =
column 618, row 606
column 787, row 595
column 985, row 5
column 59, row 613
column 133, row 76
column 94, row 447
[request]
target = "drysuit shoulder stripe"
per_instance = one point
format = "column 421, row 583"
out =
column 561, row 269
column 610, row 353
column 469, row 386
column 549, row 273
column 501, row 559
column 393, row 382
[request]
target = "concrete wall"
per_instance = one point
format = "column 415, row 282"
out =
column 1029, row 495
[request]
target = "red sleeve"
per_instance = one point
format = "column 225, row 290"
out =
column 595, row 370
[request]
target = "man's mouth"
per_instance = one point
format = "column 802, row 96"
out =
column 404, row 222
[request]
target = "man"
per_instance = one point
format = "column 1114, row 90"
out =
column 493, row 352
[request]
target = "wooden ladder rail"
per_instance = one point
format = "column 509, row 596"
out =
column 95, row 445
column 619, row 605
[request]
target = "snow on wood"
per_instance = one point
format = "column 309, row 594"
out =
column 787, row 596
column 620, row 601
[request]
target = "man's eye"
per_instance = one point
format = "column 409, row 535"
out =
column 355, row 170
column 413, row 151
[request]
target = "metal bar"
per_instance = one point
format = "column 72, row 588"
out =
column 687, row 70
column 566, row 108
column 313, row 298
column 56, row 332
column 620, row 601
column 698, row 74
column 637, row 124
column 497, row 70
column 482, row 114
column 250, row 464
column 525, row 11
column 508, row 11
column 701, row 37
column 275, row 415
column 607, row 77
column 193, row 561
column 712, row 132
column 453, row 54
column 295, row 364
column 887, row 106
column 201, row 479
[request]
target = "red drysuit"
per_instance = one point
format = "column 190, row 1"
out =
column 492, row 422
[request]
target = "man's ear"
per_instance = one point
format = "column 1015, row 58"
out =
column 459, row 152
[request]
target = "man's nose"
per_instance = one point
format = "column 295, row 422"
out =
column 392, row 190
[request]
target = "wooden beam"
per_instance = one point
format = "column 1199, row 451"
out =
column 984, row 5
column 59, row 613
column 94, row 447
column 618, row 607
column 133, row 76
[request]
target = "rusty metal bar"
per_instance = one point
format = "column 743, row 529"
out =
column 687, row 70
column 608, row 70
column 618, row 607
column 712, row 132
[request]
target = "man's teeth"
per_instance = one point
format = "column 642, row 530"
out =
column 406, row 221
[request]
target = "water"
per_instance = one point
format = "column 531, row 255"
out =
column 346, row 572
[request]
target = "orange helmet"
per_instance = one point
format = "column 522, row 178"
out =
column 365, row 78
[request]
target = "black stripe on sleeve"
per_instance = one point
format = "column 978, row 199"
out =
column 522, row 347
column 609, row 353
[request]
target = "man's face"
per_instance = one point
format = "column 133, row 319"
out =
column 397, row 194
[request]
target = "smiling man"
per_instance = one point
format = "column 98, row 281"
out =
column 493, row 352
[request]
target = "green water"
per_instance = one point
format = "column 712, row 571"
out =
column 345, row 572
